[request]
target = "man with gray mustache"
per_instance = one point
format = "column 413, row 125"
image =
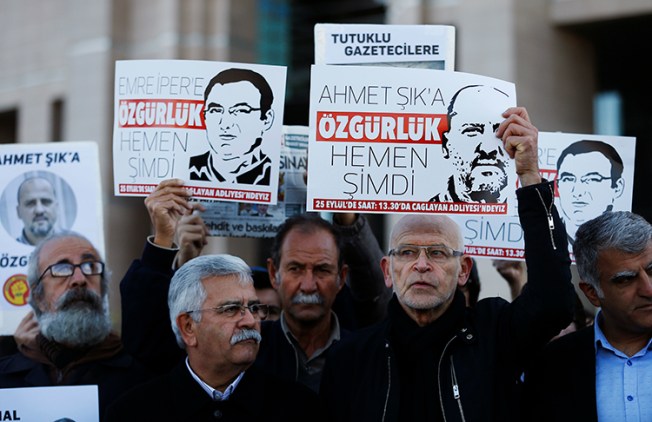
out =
column 73, row 342
column 216, row 317
column 307, row 270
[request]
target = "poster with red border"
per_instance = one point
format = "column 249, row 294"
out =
column 395, row 140
column 592, row 174
column 216, row 125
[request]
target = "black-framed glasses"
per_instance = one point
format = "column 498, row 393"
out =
column 66, row 269
column 235, row 111
column 593, row 179
column 434, row 253
column 231, row 310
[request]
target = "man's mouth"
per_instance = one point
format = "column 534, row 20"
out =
column 580, row 204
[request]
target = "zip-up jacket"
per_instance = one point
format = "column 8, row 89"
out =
column 477, row 373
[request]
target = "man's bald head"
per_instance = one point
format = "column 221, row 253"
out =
column 427, row 223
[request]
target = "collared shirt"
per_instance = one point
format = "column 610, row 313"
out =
column 310, row 367
column 623, row 384
column 213, row 393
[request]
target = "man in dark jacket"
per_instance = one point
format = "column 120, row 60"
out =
column 75, row 346
column 307, row 268
column 603, row 372
column 435, row 359
column 215, row 316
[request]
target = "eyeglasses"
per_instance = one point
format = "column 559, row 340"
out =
column 231, row 310
column 588, row 180
column 235, row 111
column 434, row 253
column 66, row 269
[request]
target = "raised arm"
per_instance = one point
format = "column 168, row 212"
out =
column 146, row 330
column 362, row 253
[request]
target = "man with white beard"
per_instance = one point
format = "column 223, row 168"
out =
column 216, row 317
column 75, row 345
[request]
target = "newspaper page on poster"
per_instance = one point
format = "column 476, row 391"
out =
column 46, row 188
column 58, row 404
column 419, row 46
column 593, row 174
column 216, row 125
column 382, row 136
column 243, row 219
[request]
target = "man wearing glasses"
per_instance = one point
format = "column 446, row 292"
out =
column 69, row 287
column 589, row 179
column 435, row 359
column 216, row 319
column 237, row 112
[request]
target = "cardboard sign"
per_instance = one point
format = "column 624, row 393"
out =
column 395, row 140
column 46, row 188
column 216, row 125
column 593, row 174
column 55, row 404
column 422, row 46
column 243, row 219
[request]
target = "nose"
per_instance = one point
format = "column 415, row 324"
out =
column 308, row 282
column 422, row 264
column 645, row 287
column 248, row 320
column 78, row 278
column 488, row 144
column 227, row 120
column 39, row 208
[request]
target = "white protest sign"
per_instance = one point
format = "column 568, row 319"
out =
column 380, row 142
column 216, row 125
column 424, row 46
column 244, row 219
column 45, row 188
column 593, row 174
column 39, row 404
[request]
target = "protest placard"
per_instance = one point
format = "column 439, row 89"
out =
column 243, row 219
column 422, row 46
column 55, row 404
column 593, row 174
column 216, row 125
column 386, row 140
column 43, row 188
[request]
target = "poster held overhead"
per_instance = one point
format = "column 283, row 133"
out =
column 398, row 140
column 216, row 125
column 422, row 46
column 244, row 219
column 592, row 174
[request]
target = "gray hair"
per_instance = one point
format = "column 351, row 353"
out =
column 36, row 287
column 622, row 230
column 187, row 292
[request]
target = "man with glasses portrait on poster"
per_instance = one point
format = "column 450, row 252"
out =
column 237, row 112
column 589, row 180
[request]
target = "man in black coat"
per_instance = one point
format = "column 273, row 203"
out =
column 74, row 345
column 435, row 359
column 216, row 316
column 603, row 372
column 307, row 268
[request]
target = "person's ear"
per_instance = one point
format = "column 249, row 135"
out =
column 269, row 119
column 466, row 263
column 591, row 293
column 619, row 188
column 444, row 144
column 344, row 271
column 187, row 326
column 385, row 265
column 273, row 274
